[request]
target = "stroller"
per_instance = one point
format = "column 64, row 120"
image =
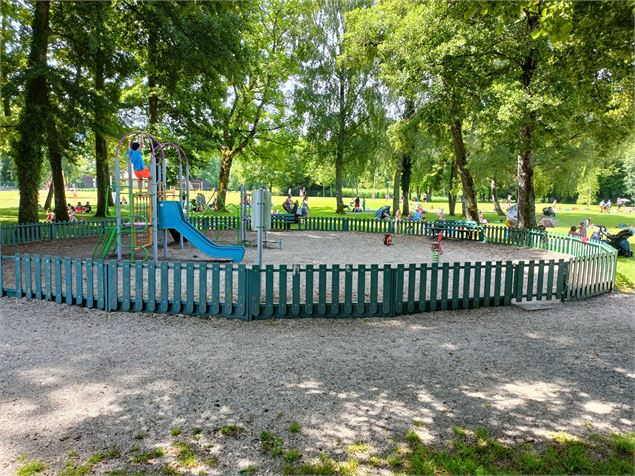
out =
column 619, row 241
column 548, row 212
column 383, row 213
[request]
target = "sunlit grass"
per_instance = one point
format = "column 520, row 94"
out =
column 477, row 452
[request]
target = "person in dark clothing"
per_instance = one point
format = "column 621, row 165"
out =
column 288, row 204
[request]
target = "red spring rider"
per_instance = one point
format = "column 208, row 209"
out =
column 437, row 251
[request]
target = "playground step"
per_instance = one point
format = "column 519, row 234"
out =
column 538, row 305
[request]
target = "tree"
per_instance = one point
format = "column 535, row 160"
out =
column 562, row 77
column 257, row 90
column 97, row 47
column 32, row 122
column 438, row 66
column 225, row 104
column 338, row 100
column 628, row 159
column 13, row 48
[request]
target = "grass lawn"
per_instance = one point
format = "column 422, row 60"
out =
column 476, row 452
column 566, row 216
column 469, row 452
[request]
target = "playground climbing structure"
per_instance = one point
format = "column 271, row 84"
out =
column 153, row 211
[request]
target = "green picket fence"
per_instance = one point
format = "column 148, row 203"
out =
column 206, row 223
column 283, row 291
column 18, row 234
column 279, row 291
column 302, row 291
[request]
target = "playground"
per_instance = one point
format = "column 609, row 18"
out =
column 296, row 238
column 157, row 255
column 191, row 396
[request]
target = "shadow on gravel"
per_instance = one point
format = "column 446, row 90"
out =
column 77, row 380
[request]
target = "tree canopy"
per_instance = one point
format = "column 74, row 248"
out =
column 531, row 98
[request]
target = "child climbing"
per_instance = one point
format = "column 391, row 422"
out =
column 140, row 170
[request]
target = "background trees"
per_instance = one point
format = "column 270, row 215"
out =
column 531, row 98
column 339, row 102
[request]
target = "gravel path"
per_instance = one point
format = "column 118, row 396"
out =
column 86, row 381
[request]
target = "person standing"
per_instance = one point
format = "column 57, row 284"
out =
column 582, row 229
column 304, row 209
column 140, row 170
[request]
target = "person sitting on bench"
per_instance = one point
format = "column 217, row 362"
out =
column 288, row 205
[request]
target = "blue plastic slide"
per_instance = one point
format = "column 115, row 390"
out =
column 171, row 216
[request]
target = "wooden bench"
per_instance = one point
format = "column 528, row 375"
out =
column 458, row 229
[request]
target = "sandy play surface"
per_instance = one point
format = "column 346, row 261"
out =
column 308, row 247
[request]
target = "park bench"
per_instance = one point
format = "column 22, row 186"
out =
column 283, row 221
column 458, row 229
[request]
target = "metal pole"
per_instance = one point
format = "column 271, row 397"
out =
column 261, row 211
column 118, row 201
column 243, row 213
column 187, row 184
column 181, row 190
column 165, row 190
column 131, row 217
column 154, row 203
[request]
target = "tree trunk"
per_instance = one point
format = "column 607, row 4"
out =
column 102, row 174
column 452, row 204
column 223, row 177
column 395, row 187
column 339, row 165
column 57, row 174
column 429, row 193
column 406, row 174
column 339, row 159
column 463, row 206
column 406, row 162
column 525, row 171
column 451, row 193
column 526, row 196
column 471, row 207
column 32, row 124
column 49, row 196
column 111, row 201
column 497, row 205
column 101, row 147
